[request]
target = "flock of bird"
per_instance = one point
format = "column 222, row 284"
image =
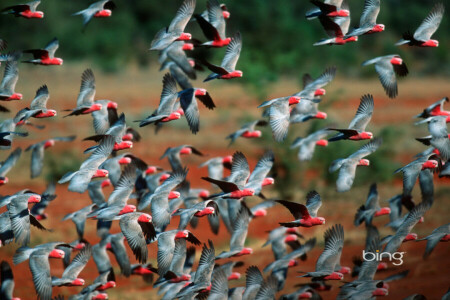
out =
column 161, row 194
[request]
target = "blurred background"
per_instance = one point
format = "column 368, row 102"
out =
column 277, row 52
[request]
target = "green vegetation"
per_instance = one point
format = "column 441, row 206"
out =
column 271, row 48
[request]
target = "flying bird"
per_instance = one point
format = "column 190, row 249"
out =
column 27, row 10
column 331, row 255
column 37, row 153
column 387, row 67
column 227, row 70
column 214, row 27
column 175, row 31
column 99, row 9
column 45, row 56
column 368, row 21
column 305, row 215
column 347, row 166
column 422, row 35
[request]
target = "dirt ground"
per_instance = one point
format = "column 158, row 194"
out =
column 137, row 92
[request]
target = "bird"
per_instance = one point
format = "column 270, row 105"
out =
column 305, row 215
column 422, row 35
column 70, row 275
column 239, row 235
column 336, row 30
column 173, row 154
column 371, row 208
column 307, row 145
column 27, row 10
column 202, row 278
column 234, row 186
column 214, row 27
column 368, row 21
column 440, row 234
column 347, row 166
column 137, row 227
column 330, row 257
column 201, row 209
column 436, row 109
column 279, row 115
column 45, row 56
column 99, row 9
column 188, row 101
column 38, row 106
column 411, row 172
column 405, row 228
column 38, row 209
column 175, row 31
column 37, row 153
column 79, row 180
column 387, row 67
column 437, row 127
column 85, row 100
column 357, row 128
column 227, row 69
column 164, row 112
column 9, row 81
column 159, row 200
column 247, row 131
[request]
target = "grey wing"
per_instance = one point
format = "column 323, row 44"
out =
column 387, row 77
column 334, row 242
column 430, row 24
column 215, row 17
column 168, row 95
column 313, row 203
column 121, row 254
column 20, row 221
column 263, row 167
column 240, row 170
column 87, row 88
column 183, row 16
column 206, row 264
column 443, row 145
column 37, row 160
column 410, row 176
column 124, row 186
column 135, row 237
column 367, row 149
column 100, row 154
column 33, row 5
column 240, row 229
column 78, row 263
column 232, row 53
column 179, row 256
column 41, row 98
column 52, row 47
column 191, row 112
column 363, row 113
column 10, row 162
column 370, row 12
column 40, row 269
column 279, row 119
column 326, row 77
column 10, row 78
